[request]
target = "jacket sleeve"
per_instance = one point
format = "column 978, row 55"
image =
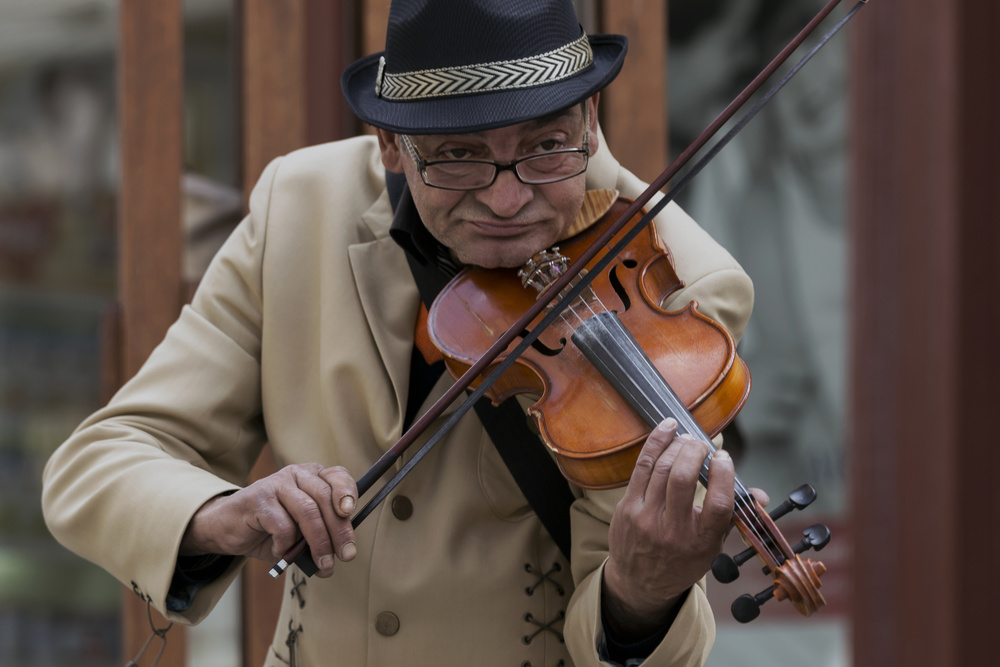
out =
column 724, row 293
column 122, row 489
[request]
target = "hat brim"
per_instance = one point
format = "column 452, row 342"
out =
column 475, row 112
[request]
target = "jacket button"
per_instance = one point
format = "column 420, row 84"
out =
column 387, row 624
column 402, row 508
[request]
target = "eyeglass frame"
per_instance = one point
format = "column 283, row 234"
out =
column 498, row 167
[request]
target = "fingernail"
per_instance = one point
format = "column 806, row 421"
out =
column 348, row 551
column 668, row 424
column 326, row 563
column 347, row 504
column 721, row 454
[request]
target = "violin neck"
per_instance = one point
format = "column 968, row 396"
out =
column 610, row 347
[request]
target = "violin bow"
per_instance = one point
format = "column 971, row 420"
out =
column 462, row 384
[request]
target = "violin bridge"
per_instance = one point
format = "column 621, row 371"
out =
column 543, row 269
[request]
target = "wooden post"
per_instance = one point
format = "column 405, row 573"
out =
column 331, row 45
column 274, row 123
column 925, row 333
column 274, row 82
column 634, row 106
column 374, row 20
column 149, row 264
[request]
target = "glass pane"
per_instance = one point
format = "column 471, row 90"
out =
column 57, row 247
column 58, row 181
column 776, row 198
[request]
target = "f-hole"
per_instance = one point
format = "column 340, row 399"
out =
column 619, row 289
column 616, row 283
column 541, row 348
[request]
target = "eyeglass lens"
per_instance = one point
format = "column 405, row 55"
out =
column 546, row 168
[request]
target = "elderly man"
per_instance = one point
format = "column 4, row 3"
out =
column 303, row 334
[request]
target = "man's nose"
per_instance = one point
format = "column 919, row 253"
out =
column 507, row 195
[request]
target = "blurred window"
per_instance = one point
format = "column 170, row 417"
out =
column 776, row 198
column 57, row 275
column 58, row 191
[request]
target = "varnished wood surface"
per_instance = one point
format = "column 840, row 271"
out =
column 925, row 332
column 150, row 76
column 634, row 106
column 274, row 122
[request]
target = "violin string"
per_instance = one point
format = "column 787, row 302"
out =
column 742, row 506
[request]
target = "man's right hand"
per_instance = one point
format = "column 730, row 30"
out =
column 267, row 518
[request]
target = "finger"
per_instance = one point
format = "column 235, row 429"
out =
column 343, row 488
column 761, row 496
column 717, row 509
column 344, row 494
column 273, row 519
column 324, row 530
column 308, row 518
column 683, row 482
column 656, row 443
column 656, row 490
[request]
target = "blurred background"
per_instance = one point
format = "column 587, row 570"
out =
column 777, row 198
column 59, row 180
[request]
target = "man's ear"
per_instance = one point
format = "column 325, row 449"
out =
column 392, row 157
column 595, row 141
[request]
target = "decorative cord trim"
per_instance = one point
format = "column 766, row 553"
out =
column 156, row 632
column 296, row 591
column 542, row 627
column 291, row 641
column 530, row 590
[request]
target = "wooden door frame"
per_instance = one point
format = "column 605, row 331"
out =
column 925, row 330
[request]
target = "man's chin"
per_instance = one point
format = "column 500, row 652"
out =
column 501, row 255
column 494, row 261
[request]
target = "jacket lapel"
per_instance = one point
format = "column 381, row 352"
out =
column 388, row 297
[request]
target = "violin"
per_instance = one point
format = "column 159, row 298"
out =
column 613, row 366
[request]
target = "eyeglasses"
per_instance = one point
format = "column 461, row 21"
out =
column 540, row 169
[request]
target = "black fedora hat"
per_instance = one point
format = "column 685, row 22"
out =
column 455, row 66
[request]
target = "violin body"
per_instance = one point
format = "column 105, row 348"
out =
column 593, row 432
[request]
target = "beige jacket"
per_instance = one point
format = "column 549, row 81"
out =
column 300, row 334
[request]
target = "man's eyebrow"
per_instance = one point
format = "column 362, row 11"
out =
column 547, row 119
column 533, row 124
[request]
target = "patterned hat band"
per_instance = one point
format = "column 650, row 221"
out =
column 536, row 70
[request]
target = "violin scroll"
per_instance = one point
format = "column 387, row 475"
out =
column 795, row 579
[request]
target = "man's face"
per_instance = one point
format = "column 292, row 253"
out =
column 509, row 221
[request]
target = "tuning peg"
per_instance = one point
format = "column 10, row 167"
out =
column 815, row 537
column 747, row 607
column 798, row 499
column 726, row 568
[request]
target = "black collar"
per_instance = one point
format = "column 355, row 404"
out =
column 409, row 232
column 429, row 259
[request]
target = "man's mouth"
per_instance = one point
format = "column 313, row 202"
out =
column 500, row 229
